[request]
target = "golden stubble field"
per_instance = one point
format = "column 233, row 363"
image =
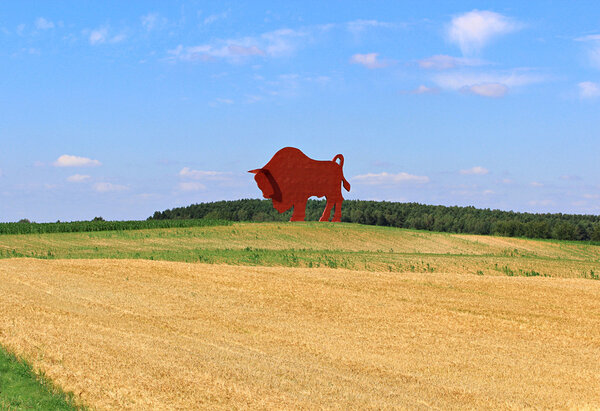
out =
column 135, row 334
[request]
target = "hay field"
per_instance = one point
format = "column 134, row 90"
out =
column 138, row 334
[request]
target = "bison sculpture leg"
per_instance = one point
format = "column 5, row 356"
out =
column 299, row 212
column 327, row 212
column 337, row 214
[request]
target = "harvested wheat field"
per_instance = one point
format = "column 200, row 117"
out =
column 135, row 334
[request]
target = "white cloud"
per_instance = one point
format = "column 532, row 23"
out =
column 593, row 48
column 20, row 29
column 387, row 178
column 477, row 170
column 536, row 184
column 101, row 36
column 591, row 37
column 488, row 192
column 98, row 36
column 358, row 26
column 271, row 44
column 118, row 38
column 489, row 89
column 368, row 60
column 191, row 186
column 214, row 17
column 591, row 196
column 588, row 89
column 107, row 187
column 74, row 161
column 152, row 21
column 543, row 203
column 445, row 62
column 187, row 172
column 473, row 30
column 490, row 84
column 422, row 89
column 43, row 24
column 221, row 101
column 78, row 178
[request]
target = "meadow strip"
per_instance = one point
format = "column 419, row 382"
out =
column 315, row 245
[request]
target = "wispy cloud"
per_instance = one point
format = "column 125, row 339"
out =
column 422, row 89
column 389, row 179
column 214, row 17
column 187, row 172
column 43, row 24
column 477, row 170
column 78, row 178
column 588, row 89
column 209, row 52
column 358, row 26
column 98, row 36
column 67, row 160
column 191, row 186
column 494, row 90
column 591, row 196
column 445, row 62
column 541, row 203
column 270, row 44
column 108, row 187
column 593, row 48
column 473, row 30
column 102, row 35
column 221, row 101
column 153, row 21
column 368, row 60
column 487, row 84
column 536, row 184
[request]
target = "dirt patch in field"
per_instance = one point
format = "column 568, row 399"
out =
column 132, row 334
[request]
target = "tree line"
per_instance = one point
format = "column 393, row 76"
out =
column 25, row 226
column 408, row 215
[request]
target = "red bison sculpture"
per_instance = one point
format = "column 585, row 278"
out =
column 290, row 178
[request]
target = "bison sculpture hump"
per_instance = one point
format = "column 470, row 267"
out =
column 290, row 178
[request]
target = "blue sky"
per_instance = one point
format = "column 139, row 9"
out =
column 119, row 109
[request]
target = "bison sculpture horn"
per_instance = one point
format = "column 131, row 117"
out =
column 290, row 178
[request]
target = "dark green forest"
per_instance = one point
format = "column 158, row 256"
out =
column 98, row 224
column 408, row 215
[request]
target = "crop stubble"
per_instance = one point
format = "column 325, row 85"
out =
column 135, row 334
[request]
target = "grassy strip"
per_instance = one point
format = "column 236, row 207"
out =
column 282, row 244
column 85, row 226
column 22, row 389
column 376, row 261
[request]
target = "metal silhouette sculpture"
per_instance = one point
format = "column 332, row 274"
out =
column 290, row 178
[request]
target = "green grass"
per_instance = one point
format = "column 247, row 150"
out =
column 22, row 389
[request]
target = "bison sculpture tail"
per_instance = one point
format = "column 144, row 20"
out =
column 341, row 163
